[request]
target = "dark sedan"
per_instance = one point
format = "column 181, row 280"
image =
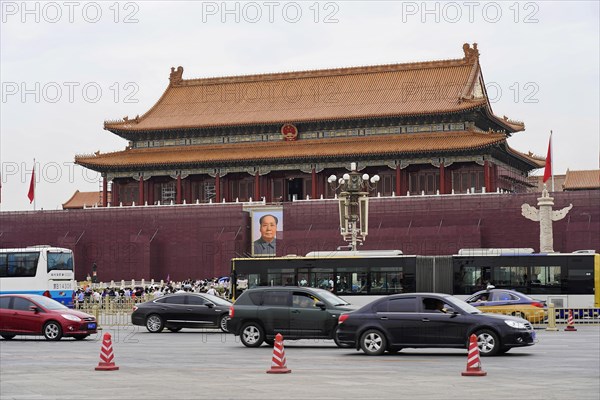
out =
column 419, row 320
column 182, row 310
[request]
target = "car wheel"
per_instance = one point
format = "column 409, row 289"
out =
column 154, row 323
column 8, row 337
column 174, row 329
column 223, row 319
column 373, row 342
column 488, row 342
column 80, row 337
column 52, row 331
column 252, row 335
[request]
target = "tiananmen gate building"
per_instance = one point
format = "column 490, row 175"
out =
column 179, row 200
column 423, row 127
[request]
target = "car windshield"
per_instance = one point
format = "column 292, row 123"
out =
column 331, row 298
column 217, row 300
column 458, row 303
column 48, row 303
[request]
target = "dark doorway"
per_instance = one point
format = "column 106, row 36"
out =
column 295, row 189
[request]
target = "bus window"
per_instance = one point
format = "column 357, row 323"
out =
column 386, row 280
column 351, row 280
column 321, row 278
column 21, row 264
column 303, row 277
column 60, row 261
column 511, row 277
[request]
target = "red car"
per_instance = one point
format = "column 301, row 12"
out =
column 32, row 314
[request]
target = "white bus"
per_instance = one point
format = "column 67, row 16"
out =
column 44, row 270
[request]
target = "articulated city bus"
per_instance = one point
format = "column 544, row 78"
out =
column 44, row 270
column 567, row 280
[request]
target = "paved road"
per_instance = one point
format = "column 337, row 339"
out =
column 212, row 365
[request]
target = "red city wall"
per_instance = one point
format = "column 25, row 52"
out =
column 198, row 241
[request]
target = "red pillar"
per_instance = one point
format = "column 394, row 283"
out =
column 442, row 178
column 141, row 192
column 398, row 186
column 314, row 184
column 114, row 193
column 486, row 176
column 104, row 192
column 178, row 194
column 217, row 188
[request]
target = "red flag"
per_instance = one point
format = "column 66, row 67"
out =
column 548, row 168
column 31, row 193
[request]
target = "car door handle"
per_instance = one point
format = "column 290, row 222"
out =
column 188, row 309
column 295, row 311
column 384, row 318
column 425, row 320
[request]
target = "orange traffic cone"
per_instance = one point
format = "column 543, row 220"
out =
column 570, row 325
column 278, row 361
column 106, row 355
column 473, row 363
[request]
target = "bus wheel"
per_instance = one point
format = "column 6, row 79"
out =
column 52, row 331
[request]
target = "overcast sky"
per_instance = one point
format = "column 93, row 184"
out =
column 66, row 67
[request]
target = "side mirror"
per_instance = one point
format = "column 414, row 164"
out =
column 450, row 310
column 35, row 309
column 321, row 305
column 210, row 305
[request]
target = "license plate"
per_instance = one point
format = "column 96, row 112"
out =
column 62, row 286
column 91, row 326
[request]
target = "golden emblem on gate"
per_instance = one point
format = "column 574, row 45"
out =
column 289, row 132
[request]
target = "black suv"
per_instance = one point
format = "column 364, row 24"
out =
column 296, row 312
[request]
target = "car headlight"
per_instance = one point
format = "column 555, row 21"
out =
column 514, row 324
column 71, row 317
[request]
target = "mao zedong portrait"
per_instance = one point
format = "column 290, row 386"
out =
column 267, row 242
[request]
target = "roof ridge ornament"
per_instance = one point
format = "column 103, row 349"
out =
column 471, row 54
column 176, row 76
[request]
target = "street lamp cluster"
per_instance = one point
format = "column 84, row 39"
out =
column 354, row 204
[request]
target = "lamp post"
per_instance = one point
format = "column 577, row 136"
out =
column 353, row 203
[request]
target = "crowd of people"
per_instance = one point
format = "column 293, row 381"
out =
column 214, row 286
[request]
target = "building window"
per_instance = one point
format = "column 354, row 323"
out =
column 167, row 193
column 464, row 179
column 426, row 181
column 128, row 193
